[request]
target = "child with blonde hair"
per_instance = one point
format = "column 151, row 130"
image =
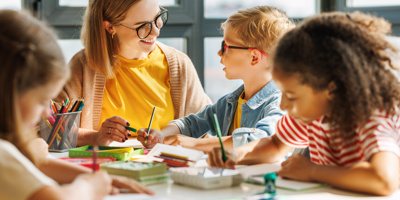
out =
column 250, row 112
column 342, row 101
column 32, row 72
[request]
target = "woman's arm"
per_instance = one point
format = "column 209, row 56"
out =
column 379, row 176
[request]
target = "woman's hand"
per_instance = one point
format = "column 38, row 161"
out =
column 215, row 158
column 296, row 167
column 155, row 136
column 121, row 182
column 112, row 129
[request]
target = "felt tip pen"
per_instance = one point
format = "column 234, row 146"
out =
column 130, row 129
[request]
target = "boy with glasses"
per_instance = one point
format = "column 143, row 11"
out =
column 250, row 112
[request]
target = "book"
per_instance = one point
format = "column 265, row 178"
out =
column 136, row 170
column 88, row 161
column 119, row 153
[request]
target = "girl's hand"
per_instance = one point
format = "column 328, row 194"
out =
column 297, row 167
column 112, row 129
column 153, row 138
column 129, row 184
column 99, row 183
column 215, row 158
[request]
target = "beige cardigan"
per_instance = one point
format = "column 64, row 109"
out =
column 187, row 93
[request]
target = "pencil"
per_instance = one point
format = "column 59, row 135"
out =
column 151, row 121
column 218, row 130
column 95, row 149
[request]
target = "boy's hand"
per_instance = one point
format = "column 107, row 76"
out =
column 133, row 186
column 155, row 136
column 183, row 140
column 215, row 158
column 297, row 167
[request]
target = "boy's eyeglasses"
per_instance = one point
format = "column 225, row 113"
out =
column 145, row 29
column 224, row 46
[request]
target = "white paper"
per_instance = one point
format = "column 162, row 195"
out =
column 128, row 143
column 250, row 170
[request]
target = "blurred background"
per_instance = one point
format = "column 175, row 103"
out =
column 194, row 26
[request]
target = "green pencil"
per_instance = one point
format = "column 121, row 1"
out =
column 218, row 130
column 131, row 129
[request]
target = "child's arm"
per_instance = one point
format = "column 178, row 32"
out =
column 88, row 186
column 379, row 176
column 202, row 144
column 53, row 167
column 264, row 150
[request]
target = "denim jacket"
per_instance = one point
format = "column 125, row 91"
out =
column 259, row 116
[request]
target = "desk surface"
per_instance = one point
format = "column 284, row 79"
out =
column 176, row 192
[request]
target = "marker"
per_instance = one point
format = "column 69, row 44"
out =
column 151, row 121
column 218, row 130
column 95, row 149
column 131, row 129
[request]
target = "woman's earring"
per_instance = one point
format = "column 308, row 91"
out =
column 112, row 36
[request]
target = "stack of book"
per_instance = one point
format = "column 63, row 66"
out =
column 119, row 153
column 145, row 173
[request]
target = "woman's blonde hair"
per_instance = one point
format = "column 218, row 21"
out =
column 259, row 27
column 30, row 58
column 101, row 48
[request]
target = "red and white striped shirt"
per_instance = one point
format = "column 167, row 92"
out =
column 380, row 133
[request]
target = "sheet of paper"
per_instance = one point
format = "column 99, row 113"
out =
column 129, row 143
column 288, row 184
column 250, row 170
column 296, row 185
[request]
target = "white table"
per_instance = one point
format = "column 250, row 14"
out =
column 176, row 192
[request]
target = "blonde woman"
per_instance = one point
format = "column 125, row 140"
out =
column 123, row 72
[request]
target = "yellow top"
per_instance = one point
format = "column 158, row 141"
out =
column 139, row 86
column 238, row 115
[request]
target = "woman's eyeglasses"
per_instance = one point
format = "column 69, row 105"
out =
column 224, row 46
column 145, row 29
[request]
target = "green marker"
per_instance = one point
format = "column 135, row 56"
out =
column 131, row 129
column 218, row 130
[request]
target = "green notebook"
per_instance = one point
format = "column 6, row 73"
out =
column 136, row 170
column 119, row 153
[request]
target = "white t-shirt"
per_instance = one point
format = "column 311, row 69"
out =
column 19, row 177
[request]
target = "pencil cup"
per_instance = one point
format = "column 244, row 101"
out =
column 60, row 130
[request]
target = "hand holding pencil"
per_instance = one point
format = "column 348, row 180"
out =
column 220, row 157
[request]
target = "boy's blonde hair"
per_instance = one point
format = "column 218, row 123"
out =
column 259, row 27
column 101, row 49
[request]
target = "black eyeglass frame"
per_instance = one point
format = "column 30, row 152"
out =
column 149, row 23
column 224, row 46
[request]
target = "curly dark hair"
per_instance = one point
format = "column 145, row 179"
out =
column 349, row 50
